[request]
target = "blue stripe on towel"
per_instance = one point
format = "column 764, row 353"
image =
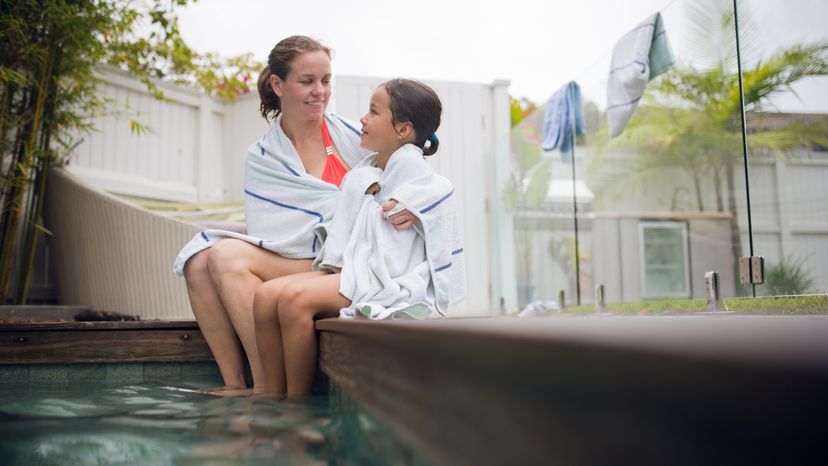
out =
column 443, row 267
column 437, row 203
column 347, row 125
column 456, row 251
column 286, row 206
column 205, row 237
column 634, row 62
column 262, row 148
column 261, row 243
column 313, row 246
column 622, row 105
column 290, row 169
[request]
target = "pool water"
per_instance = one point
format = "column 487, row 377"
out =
column 160, row 423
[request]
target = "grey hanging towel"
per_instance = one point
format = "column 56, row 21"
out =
column 639, row 56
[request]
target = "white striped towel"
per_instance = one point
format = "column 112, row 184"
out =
column 388, row 273
column 283, row 203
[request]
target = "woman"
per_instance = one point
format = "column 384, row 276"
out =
column 291, row 184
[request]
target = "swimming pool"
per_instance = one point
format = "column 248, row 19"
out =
column 164, row 422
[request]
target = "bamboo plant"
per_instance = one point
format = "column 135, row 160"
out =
column 49, row 52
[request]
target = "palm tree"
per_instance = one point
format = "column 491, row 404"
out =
column 690, row 120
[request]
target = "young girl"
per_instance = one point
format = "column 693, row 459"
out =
column 367, row 267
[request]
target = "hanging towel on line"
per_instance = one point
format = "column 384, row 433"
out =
column 638, row 57
column 563, row 115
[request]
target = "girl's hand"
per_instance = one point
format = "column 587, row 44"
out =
column 373, row 189
column 402, row 220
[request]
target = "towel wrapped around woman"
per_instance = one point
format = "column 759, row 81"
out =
column 283, row 203
column 388, row 273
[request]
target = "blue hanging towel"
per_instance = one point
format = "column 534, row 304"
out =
column 562, row 117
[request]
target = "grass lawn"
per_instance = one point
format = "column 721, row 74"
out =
column 777, row 305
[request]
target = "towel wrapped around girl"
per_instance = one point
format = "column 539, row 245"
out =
column 388, row 273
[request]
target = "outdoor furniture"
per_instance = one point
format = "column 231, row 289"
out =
column 112, row 255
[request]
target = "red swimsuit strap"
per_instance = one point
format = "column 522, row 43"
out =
column 326, row 138
column 334, row 170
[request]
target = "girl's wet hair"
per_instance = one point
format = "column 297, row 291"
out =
column 278, row 63
column 414, row 102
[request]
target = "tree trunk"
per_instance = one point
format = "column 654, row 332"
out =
column 697, row 186
column 717, row 183
column 735, row 237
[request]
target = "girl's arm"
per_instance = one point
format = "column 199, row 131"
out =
column 402, row 220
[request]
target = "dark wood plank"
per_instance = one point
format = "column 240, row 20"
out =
column 93, row 326
column 10, row 314
column 679, row 391
column 102, row 344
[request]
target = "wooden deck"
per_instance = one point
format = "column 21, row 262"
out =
column 102, row 342
column 592, row 390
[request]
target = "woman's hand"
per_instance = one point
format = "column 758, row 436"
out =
column 402, row 220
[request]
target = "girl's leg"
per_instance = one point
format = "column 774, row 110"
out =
column 236, row 268
column 269, row 331
column 301, row 302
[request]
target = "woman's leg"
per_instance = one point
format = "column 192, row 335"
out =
column 301, row 302
column 269, row 331
column 213, row 320
column 225, row 306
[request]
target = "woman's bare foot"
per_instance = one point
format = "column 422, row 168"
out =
column 257, row 393
column 267, row 394
column 218, row 391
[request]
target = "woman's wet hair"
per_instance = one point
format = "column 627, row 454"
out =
column 414, row 102
column 278, row 63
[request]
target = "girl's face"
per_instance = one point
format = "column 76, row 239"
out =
column 378, row 131
column 305, row 92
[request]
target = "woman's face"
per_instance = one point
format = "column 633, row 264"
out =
column 305, row 91
column 378, row 131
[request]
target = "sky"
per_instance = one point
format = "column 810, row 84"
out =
column 537, row 45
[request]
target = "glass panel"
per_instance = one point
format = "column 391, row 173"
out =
column 784, row 53
column 670, row 162
column 543, row 206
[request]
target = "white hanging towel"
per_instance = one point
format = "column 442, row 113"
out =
column 638, row 57
column 283, row 203
column 390, row 274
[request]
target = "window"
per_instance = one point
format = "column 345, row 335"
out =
column 664, row 260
